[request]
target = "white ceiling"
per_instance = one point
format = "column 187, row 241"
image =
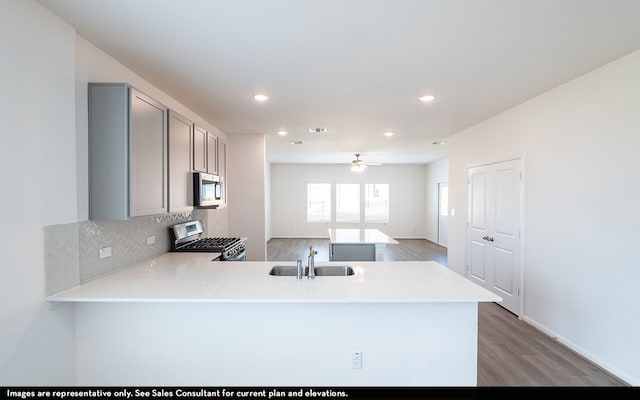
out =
column 356, row 67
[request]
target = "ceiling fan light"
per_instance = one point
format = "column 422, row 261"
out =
column 357, row 165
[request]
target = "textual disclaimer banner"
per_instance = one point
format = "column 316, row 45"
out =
column 440, row 393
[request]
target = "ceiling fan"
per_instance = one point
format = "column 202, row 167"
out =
column 359, row 165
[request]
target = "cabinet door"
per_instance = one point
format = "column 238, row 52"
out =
column 212, row 154
column 180, row 182
column 108, row 151
column 148, row 155
column 222, row 167
column 200, row 149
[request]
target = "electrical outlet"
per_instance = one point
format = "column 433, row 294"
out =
column 151, row 240
column 356, row 360
column 105, row 252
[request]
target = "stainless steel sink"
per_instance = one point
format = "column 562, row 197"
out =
column 285, row 270
column 334, row 270
column 324, row 270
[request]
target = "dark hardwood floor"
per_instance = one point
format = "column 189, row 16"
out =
column 510, row 351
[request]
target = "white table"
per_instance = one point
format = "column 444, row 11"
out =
column 358, row 244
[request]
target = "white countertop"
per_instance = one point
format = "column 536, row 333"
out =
column 192, row 277
column 359, row 236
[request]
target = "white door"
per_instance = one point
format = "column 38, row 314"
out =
column 493, row 248
column 443, row 213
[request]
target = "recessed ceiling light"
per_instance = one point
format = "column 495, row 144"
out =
column 282, row 133
column 427, row 98
column 388, row 133
column 295, row 142
column 261, row 97
column 439, row 143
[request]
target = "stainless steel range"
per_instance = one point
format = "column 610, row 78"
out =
column 187, row 236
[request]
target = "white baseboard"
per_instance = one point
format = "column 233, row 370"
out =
column 634, row 381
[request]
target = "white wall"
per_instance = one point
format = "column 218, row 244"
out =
column 289, row 198
column 580, row 143
column 38, row 174
column 247, row 204
column 94, row 65
column 437, row 172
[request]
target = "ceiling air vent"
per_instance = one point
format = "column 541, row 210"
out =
column 317, row 130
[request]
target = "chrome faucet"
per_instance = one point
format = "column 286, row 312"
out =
column 300, row 269
column 311, row 263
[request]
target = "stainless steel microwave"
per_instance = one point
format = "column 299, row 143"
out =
column 207, row 190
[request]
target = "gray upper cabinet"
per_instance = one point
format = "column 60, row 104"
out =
column 205, row 151
column 200, row 149
column 180, row 181
column 127, row 153
column 212, row 154
column 222, row 168
column 148, row 156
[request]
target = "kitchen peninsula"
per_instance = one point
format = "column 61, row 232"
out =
column 357, row 244
column 181, row 319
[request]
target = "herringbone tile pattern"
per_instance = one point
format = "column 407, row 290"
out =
column 72, row 250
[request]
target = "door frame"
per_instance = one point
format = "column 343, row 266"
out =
column 521, row 158
column 438, row 215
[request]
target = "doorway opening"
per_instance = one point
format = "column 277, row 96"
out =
column 443, row 213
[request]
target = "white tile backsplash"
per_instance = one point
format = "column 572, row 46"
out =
column 61, row 252
column 72, row 250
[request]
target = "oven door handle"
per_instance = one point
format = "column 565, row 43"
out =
column 239, row 256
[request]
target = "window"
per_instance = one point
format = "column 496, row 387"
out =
column 376, row 203
column 350, row 199
column 318, row 202
column 347, row 202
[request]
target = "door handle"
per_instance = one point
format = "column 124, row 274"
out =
column 487, row 238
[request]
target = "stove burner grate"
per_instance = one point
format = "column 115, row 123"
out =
column 212, row 244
